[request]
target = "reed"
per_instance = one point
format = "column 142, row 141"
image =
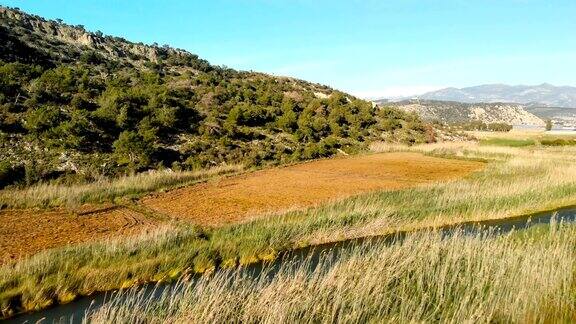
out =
column 106, row 190
column 516, row 181
column 425, row 278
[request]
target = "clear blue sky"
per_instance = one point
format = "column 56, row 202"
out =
column 367, row 47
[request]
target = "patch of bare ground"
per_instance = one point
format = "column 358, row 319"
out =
column 238, row 198
column 26, row 232
column 226, row 200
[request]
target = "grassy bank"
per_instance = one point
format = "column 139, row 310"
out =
column 517, row 138
column 508, row 142
column 105, row 190
column 510, row 279
column 517, row 181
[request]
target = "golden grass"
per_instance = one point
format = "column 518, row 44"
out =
column 516, row 181
column 105, row 190
column 425, row 278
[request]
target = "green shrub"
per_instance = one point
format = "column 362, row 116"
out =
column 10, row 174
column 119, row 117
column 133, row 150
column 558, row 142
column 499, row 127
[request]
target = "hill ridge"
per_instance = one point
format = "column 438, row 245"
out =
column 79, row 105
column 544, row 94
column 457, row 112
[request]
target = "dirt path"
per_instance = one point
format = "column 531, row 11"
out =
column 25, row 232
column 236, row 198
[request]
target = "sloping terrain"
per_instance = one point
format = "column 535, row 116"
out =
column 560, row 117
column 78, row 105
column 457, row 112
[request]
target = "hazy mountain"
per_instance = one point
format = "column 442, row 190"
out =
column 458, row 112
column 543, row 94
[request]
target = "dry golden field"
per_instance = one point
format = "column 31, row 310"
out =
column 239, row 198
column 25, row 232
column 517, row 180
column 226, row 200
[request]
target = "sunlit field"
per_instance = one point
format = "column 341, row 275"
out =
column 515, row 181
column 517, row 278
column 287, row 162
column 105, row 190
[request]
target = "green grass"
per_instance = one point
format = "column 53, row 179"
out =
column 425, row 278
column 518, row 181
column 538, row 140
column 508, row 142
column 554, row 141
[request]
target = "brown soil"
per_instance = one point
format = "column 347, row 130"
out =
column 236, row 198
column 25, row 232
column 227, row 200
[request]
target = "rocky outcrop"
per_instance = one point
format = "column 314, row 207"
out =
column 457, row 112
column 49, row 35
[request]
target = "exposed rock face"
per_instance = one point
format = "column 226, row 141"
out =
column 50, row 37
column 456, row 112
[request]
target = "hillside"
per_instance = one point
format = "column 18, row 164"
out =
column 560, row 117
column 78, row 105
column 543, row 94
column 457, row 112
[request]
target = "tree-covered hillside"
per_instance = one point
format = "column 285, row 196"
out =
column 76, row 106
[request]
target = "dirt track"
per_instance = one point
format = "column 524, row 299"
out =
column 236, row 198
column 25, row 232
column 231, row 199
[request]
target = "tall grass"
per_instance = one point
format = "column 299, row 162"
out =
column 517, row 181
column 425, row 278
column 105, row 190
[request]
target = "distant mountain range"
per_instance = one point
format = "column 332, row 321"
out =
column 543, row 95
column 458, row 112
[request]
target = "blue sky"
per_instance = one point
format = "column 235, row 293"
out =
column 366, row 47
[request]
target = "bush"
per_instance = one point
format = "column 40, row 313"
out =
column 477, row 125
column 91, row 57
column 94, row 110
column 10, row 174
column 43, row 119
column 558, row 142
column 133, row 150
column 499, row 127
